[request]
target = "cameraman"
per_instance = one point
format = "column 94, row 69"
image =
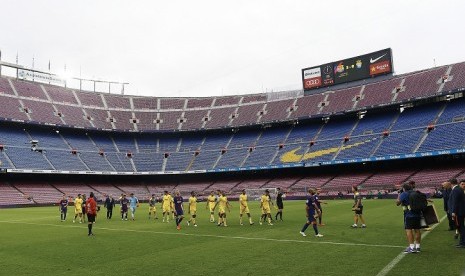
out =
column 412, row 219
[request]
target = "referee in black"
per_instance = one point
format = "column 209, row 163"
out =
column 279, row 205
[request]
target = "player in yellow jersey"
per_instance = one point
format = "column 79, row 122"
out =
column 265, row 201
column 222, row 204
column 167, row 205
column 192, row 209
column 244, row 207
column 152, row 207
column 211, row 200
column 78, row 208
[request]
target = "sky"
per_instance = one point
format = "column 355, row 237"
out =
column 213, row 47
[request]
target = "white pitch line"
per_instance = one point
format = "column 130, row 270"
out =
column 213, row 236
column 30, row 219
column 401, row 255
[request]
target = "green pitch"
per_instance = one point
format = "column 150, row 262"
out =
column 34, row 242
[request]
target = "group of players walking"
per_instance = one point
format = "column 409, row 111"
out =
column 174, row 207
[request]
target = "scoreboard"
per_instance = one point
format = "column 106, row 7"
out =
column 347, row 70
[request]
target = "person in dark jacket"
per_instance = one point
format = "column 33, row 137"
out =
column 109, row 204
column 457, row 207
column 453, row 184
column 447, row 188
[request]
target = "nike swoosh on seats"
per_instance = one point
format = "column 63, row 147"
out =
column 292, row 156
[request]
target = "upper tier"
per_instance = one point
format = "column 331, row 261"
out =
column 42, row 103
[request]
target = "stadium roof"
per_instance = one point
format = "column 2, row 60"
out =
column 189, row 49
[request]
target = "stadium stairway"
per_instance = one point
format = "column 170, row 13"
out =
column 434, row 122
column 23, row 194
column 283, row 142
column 343, row 141
column 7, row 158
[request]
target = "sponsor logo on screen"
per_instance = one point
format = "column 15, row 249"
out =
column 312, row 78
column 380, row 67
column 339, row 68
column 373, row 60
column 312, row 73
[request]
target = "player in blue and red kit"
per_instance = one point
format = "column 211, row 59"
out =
column 178, row 209
column 312, row 212
column 63, row 208
column 124, row 208
column 318, row 204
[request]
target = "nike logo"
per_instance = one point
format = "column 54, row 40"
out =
column 293, row 157
column 376, row 59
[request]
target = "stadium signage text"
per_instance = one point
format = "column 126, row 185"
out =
column 39, row 77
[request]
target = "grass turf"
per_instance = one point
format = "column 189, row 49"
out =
column 34, row 242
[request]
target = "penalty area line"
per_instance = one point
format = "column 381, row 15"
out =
column 210, row 236
column 401, row 255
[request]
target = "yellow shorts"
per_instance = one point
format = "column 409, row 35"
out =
column 211, row 208
column 193, row 211
column 266, row 210
column 77, row 211
column 221, row 210
column 152, row 209
column 166, row 209
column 244, row 210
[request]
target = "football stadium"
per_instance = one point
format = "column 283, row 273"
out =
column 354, row 130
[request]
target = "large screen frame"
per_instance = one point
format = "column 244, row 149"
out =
column 348, row 70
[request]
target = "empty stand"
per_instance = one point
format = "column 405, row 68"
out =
column 253, row 98
column 139, row 190
column 387, row 179
column 379, row 92
column 145, row 103
column 122, row 119
column 342, row 100
column 248, row 114
column 5, row 87
column 220, row 117
column 277, row 111
column 457, row 77
column 146, row 120
column 194, row 119
column 11, row 196
column 229, row 100
column 434, row 177
column 100, row 118
column 178, row 161
column 115, row 101
column 171, row 103
column 40, row 192
column 307, row 106
column 90, row 99
column 148, row 162
column 60, row 95
column 73, row 115
column 28, row 89
column 120, row 161
column 170, row 120
column 42, row 112
column 12, row 109
column 422, row 84
column 199, row 102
